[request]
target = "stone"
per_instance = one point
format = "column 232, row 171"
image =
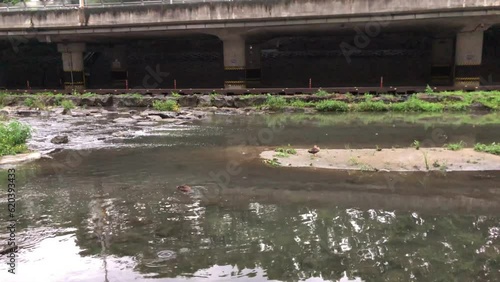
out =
column 104, row 100
column 479, row 107
column 204, row 101
column 123, row 115
column 78, row 114
column 27, row 113
column 154, row 118
column 124, row 120
column 88, row 101
column 188, row 101
column 111, row 114
column 245, row 102
column 147, row 123
column 429, row 98
column 223, row 101
column 60, row 139
column 20, row 158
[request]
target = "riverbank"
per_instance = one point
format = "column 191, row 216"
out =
column 318, row 102
column 396, row 160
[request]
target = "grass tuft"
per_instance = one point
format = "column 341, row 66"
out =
column 455, row 146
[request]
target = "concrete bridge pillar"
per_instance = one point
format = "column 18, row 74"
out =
column 234, row 61
column 73, row 67
column 468, row 56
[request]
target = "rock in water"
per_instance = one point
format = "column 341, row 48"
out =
column 60, row 139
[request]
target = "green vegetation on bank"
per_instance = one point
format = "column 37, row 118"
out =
column 492, row 148
column 428, row 102
column 13, row 137
column 455, row 146
column 167, row 105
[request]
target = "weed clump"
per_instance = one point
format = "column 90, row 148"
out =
column 492, row 148
column 13, row 137
column 67, row 105
column 275, row 102
column 455, row 146
column 167, row 105
column 413, row 104
column 332, row 106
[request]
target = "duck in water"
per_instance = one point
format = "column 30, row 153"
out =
column 314, row 150
column 184, row 188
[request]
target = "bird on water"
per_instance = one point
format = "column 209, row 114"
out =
column 184, row 188
column 314, row 150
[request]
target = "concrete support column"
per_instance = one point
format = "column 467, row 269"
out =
column 468, row 57
column 73, row 66
column 234, row 62
column 442, row 61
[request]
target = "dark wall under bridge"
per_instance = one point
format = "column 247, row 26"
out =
column 197, row 62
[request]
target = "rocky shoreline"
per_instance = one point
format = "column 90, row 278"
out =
column 219, row 101
column 55, row 128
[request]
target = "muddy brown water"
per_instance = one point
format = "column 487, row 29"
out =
column 112, row 213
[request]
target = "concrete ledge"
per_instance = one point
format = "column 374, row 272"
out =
column 20, row 158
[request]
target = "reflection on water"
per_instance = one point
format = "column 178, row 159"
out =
column 116, row 216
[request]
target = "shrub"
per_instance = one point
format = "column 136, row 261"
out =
column 67, row 105
column 275, row 102
column 13, row 138
column 167, row 105
column 332, row 106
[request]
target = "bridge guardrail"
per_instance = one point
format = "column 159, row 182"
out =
column 14, row 5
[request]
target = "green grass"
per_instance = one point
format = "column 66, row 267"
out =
column 301, row 104
column 274, row 162
column 275, row 102
column 176, row 94
column 416, row 144
column 13, row 137
column 89, row 95
column 492, row 148
column 455, row 146
column 286, row 150
column 332, row 106
column 370, row 106
column 167, row 105
column 67, row 104
column 413, row 104
column 321, row 92
column 29, row 102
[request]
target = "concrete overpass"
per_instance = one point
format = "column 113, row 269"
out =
column 239, row 23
